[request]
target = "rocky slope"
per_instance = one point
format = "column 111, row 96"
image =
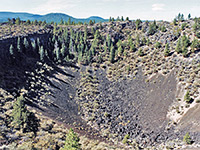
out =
column 138, row 94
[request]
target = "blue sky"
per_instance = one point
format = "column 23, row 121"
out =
column 134, row 9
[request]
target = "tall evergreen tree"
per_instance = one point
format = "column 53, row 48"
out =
column 11, row 50
column 137, row 23
column 22, row 118
column 18, row 21
column 122, row 18
column 189, row 16
column 166, row 51
column 85, row 34
column 19, row 45
column 41, row 52
column 187, row 97
column 63, row 50
column 61, row 22
column 112, row 54
column 105, row 48
column 137, row 40
column 69, row 21
column 72, row 141
column 120, row 50
column 132, row 47
column 178, row 46
column 140, row 52
column 33, row 43
column 26, row 44
column 110, row 19
column 187, row 139
column 118, row 19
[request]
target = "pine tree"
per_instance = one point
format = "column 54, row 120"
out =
column 41, row 52
column 55, row 28
column 118, row 19
column 11, row 50
column 130, row 41
column 163, row 29
column 127, row 18
column 19, row 45
column 148, row 42
column 90, row 22
column 137, row 23
column 195, row 45
column 185, row 41
column 85, row 34
column 35, row 22
column 19, row 113
column 38, row 42
column 61, row 22
column 187, row 97
column 112, row 54
column 57, row 54
column 144, row 41
column 157, row 45
column 132, row 47
column 18, row 21
column 26, row 44
column 137, row 40
column 152, row 28
column 89, row 56
column 122, row 18
column 125, row 140
column 69, row 21
column 182, row 17
column 189, row 16
column 110, row 19
column 179, row 16
column 33, row 45
column 184, row 51
column 56, row 50
column 22, row 118
column 72, row 141
column 97, row 35
column 178, row 46
column 140, row 52
column 63, row 50
column 174, row 21
column 108, row 41
column 166, row 51
column 187, row 139
column 120, row 50
column 71, row 44
column 28, row 22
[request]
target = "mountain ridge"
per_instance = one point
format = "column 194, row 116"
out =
column 55, row 17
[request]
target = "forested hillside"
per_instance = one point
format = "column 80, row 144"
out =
column 119, row 84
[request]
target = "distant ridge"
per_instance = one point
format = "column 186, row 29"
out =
column 55, row 17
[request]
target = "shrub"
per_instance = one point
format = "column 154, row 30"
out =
column 167, row 51
column 72, row 141
column 140, row 52
column 187, row 97
column 187, row 139
column 125, row 140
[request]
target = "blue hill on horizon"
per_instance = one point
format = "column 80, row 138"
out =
column 55, row 17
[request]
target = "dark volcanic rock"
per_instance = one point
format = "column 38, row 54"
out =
column 137, row 108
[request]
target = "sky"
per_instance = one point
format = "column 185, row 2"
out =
column 134, row 9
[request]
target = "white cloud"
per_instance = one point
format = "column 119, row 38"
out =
column 158, row 7
column 54, row 6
